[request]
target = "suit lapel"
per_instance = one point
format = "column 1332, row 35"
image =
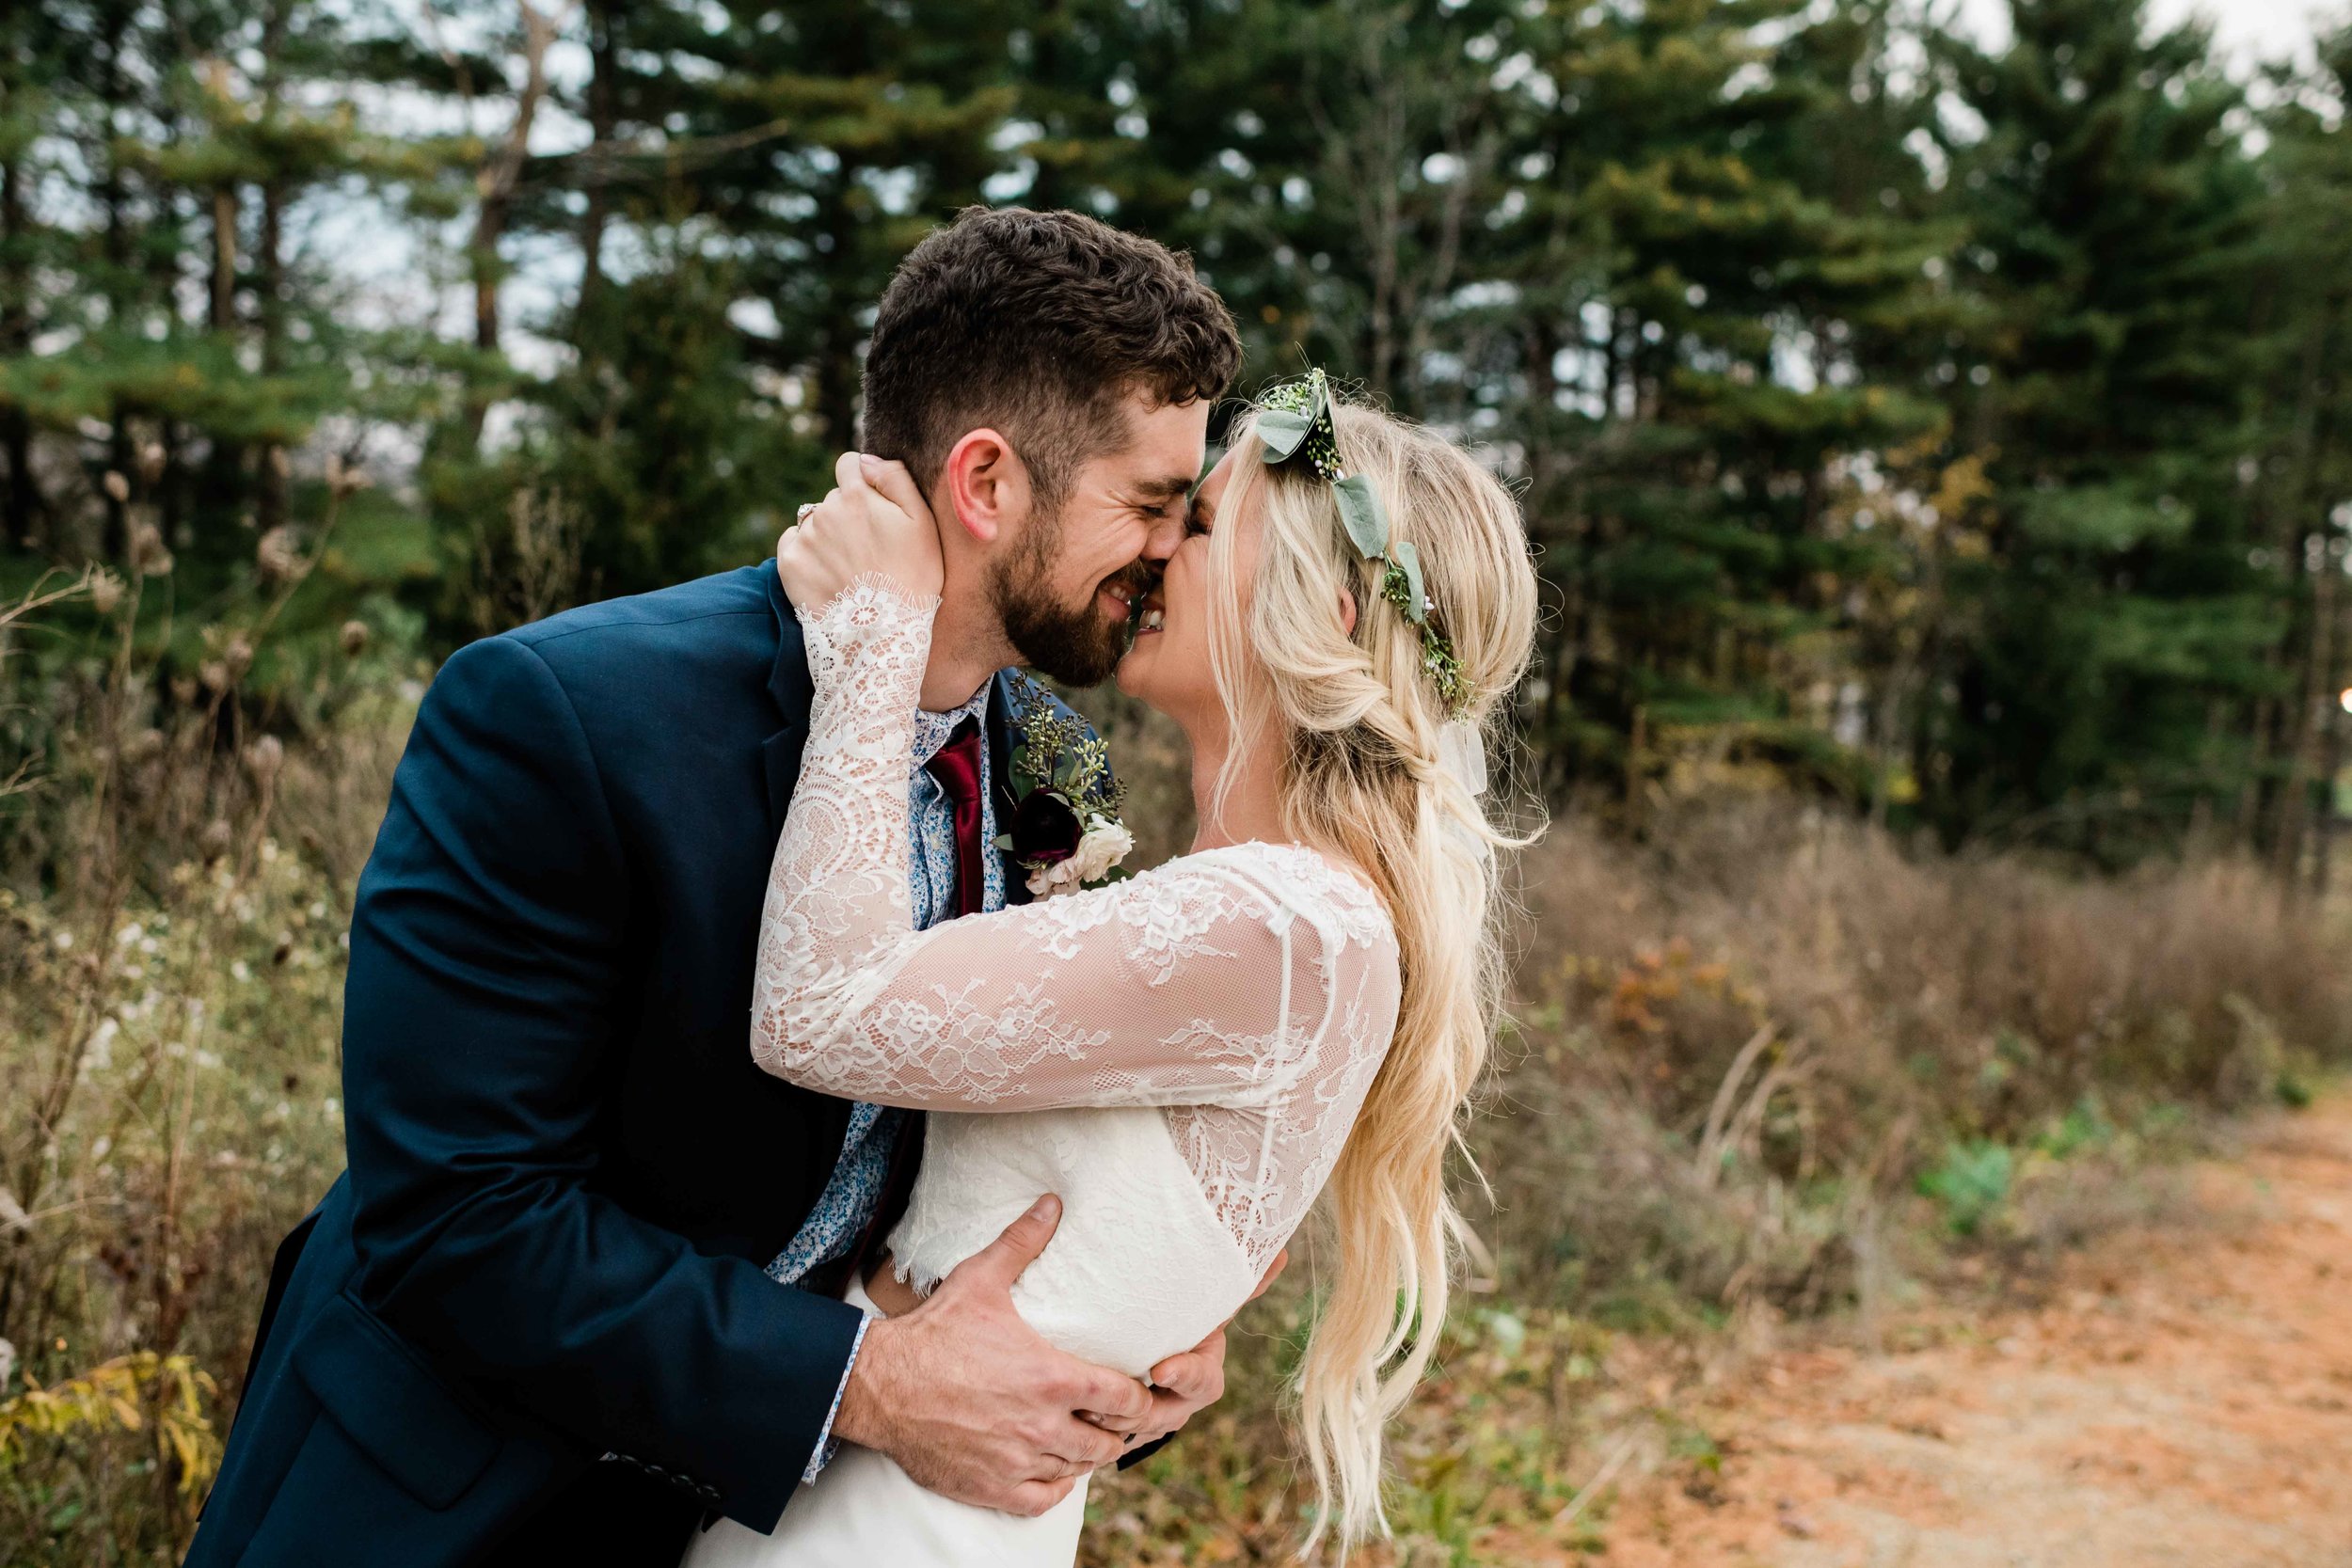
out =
column 789, row 686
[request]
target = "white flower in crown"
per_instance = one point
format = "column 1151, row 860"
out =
column 1101, row 847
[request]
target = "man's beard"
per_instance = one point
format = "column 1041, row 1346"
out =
column 1077, row 647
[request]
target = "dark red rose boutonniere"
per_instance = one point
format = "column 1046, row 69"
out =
column 1064, row 830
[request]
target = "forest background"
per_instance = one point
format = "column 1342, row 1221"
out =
column 1937, row 451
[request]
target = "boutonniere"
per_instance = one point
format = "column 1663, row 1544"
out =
column 1065, row 829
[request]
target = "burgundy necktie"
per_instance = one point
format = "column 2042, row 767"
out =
column 957, row 766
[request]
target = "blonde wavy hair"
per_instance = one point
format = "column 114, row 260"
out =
column 1358, row 723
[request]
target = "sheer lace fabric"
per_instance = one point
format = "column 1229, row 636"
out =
column 1247, row 993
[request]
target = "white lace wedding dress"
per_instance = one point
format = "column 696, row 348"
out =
column 1180, row 1056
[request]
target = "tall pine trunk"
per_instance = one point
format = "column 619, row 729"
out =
column 604, row 93
column 270, row 287
column 19, row 504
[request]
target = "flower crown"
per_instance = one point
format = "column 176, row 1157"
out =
column 1297, row 422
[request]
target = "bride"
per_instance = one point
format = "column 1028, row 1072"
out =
column 1190, row 1057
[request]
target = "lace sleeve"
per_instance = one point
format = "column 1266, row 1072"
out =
column 837, row 893
column 1241, row 978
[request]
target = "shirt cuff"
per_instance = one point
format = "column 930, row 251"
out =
column 827, row 1444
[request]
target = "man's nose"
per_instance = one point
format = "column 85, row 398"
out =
column 1166, row 535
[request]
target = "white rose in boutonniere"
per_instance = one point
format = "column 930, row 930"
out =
column 1100, row 849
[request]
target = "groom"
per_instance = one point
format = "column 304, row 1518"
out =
column 535, row 1321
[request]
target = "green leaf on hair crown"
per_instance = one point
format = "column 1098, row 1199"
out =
column 1296, row 426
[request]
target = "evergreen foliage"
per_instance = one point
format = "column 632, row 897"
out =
column 1953, row 431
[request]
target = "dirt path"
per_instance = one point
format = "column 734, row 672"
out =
column 2185, row 1400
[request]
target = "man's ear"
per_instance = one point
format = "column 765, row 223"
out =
column 984, row 483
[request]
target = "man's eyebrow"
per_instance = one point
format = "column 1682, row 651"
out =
column 1164, row 489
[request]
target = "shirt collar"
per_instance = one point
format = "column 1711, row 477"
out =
column 931, row 730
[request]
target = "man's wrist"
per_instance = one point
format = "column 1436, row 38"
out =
column 862, row 1416
column 828, row 1440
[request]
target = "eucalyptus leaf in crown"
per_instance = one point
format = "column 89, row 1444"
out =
column 1295, row 424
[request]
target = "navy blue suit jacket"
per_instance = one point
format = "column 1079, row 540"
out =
column 564, row 1171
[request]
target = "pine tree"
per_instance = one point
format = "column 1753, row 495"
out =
column 2299, row 527
column 1691, row 380
column 2115, row 626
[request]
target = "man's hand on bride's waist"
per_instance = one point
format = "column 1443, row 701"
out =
column 975, row 1405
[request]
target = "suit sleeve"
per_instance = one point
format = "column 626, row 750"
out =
column 488, row 966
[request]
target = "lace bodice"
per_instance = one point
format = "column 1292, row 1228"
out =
column 1248, row 993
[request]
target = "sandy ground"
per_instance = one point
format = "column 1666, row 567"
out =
column 2183, row 1399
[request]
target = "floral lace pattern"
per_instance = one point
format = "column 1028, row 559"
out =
column 1248, row 993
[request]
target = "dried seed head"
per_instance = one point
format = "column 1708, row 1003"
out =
column 183, row 690
column 215, row 840
column 277, row 553
column 238, row 655
column 146, row 746
column 264, row 757
column 117, row 486
column 151, row 462
column 105, row 592
column 355, row 637
column 215, row 674
column 278, row 463
column 149, row 557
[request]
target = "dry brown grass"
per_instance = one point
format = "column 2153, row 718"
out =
column 176, row 865
column 1742, row 1044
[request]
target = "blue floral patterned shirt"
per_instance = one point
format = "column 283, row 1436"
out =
column 846, row 1204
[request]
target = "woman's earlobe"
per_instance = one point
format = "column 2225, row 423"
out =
column 1347, row 613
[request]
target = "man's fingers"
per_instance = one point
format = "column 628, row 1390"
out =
column 1169, row 1412
column 1033, row 1497
column 999, row 1263
column 1118, row 1402
column 1192, row 1375
column 895, row 484
column 1084, row 1447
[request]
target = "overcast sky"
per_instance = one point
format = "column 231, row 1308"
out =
column 2245, row 29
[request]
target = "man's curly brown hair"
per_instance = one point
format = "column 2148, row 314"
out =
column 1040, row 325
